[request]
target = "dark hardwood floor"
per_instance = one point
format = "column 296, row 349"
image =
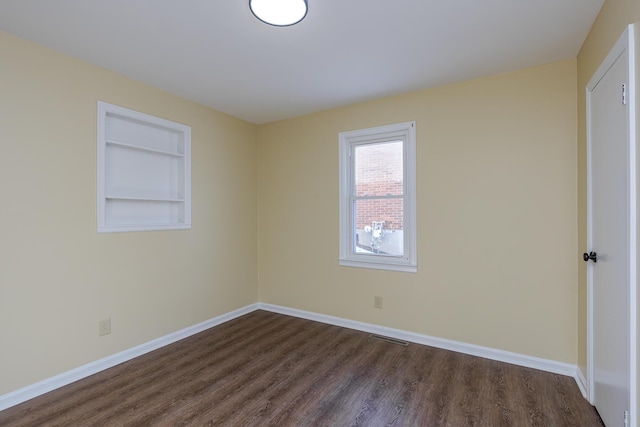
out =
column 269, row 369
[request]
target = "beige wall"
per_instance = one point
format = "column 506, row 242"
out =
column 58, row 277
column 497, row 201
column 611, row 22
column 498, row 235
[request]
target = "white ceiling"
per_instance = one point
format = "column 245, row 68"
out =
column 345, row 51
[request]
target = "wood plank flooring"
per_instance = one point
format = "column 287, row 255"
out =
column 267, row 369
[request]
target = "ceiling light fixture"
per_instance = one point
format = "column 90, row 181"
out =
column 280, row 13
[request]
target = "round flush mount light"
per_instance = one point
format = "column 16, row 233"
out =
column 280, row 13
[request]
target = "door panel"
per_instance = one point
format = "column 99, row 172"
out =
column 609, row 159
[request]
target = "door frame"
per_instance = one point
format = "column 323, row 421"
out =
column 624, row 45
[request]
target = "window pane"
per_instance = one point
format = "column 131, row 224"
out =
column 379, row 226
column 378, row 169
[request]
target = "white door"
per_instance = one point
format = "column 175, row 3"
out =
column 610, row 245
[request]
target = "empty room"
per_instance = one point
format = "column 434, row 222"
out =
column 327, row 213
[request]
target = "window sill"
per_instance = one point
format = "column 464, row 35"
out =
column 379, row 266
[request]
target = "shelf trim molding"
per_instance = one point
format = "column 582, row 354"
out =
column 127, row 228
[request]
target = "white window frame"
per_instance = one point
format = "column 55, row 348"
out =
column 405, row 132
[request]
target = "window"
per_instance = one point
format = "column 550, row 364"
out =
column 378, row 197
column 144, row 171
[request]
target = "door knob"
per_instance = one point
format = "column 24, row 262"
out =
column 590, row 256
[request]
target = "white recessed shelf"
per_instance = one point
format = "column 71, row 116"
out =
column 148, row 150
column 145, row 199
column 144, row 171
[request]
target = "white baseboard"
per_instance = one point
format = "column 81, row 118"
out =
column 582, row 383
column 460, row 347
column 29, row 392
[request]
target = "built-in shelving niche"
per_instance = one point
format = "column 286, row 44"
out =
column 144, row 171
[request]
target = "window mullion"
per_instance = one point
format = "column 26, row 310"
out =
column 386, row 196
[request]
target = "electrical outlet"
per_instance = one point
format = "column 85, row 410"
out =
column 104, row 327
column 377, row 302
